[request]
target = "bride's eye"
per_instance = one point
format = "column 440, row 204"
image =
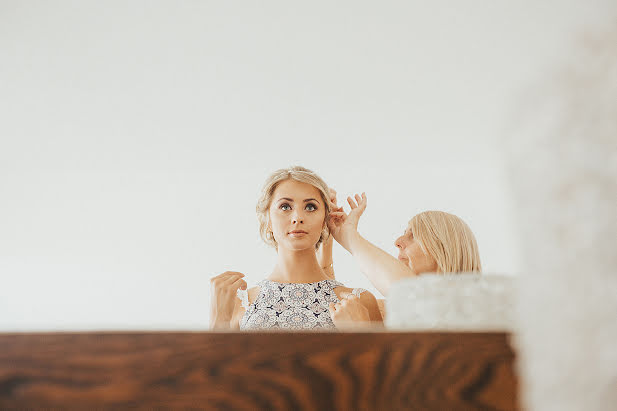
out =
column 311, row 207
column 285, row 207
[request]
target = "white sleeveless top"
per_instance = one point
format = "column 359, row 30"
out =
column 292, row 306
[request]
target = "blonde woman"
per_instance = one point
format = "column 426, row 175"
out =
column 293, row 211
column 434, row 242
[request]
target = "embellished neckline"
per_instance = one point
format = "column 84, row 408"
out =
column 314, row 282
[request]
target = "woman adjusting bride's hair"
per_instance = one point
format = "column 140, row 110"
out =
column 293, row 211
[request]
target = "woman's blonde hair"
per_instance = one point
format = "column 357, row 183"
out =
column 295, row 173
column 447, row 239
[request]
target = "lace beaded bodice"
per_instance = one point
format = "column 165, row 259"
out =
column 293, row 306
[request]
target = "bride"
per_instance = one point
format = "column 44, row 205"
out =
column 293, row 211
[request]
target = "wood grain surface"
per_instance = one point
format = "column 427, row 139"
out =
column 265, row 371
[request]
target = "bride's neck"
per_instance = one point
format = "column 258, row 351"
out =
column 297, row 267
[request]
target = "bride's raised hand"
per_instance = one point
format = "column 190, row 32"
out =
column 344, row 226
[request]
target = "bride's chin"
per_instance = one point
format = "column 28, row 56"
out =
column 299, row 245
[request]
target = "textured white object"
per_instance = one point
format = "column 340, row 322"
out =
column 563, row 163
column 452, row 302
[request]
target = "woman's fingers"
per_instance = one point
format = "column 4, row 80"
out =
column 360, row 199
column 227, row 274
column 352, row 203
column 239, row 283
column 357, row 201
column 232, row 278
column 225, row 279
column 338, row 215
column 333, row 196
column 332, row 309
column 336, row 219
column 333, row 205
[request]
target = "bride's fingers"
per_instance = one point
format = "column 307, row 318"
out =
column 358, row 199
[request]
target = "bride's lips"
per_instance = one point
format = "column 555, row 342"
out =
column 297, row 233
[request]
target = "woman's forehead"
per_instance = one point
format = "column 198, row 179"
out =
column 296, row 190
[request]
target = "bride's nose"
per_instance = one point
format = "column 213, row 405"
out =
column 296, row 219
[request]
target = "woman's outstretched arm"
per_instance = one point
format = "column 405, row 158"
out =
column 381, row 268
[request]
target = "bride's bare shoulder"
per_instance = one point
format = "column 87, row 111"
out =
column 253, row 293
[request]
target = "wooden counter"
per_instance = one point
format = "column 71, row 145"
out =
column 247, row 371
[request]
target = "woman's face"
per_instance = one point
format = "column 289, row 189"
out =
column 410, row 253
column 297, row 215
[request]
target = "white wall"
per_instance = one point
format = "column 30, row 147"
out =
column 135, row 136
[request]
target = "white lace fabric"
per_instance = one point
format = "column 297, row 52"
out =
column 293, row 306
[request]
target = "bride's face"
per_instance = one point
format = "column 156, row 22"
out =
column 297, row 215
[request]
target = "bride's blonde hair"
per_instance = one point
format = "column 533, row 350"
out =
column 447, row 239
column 296, row 173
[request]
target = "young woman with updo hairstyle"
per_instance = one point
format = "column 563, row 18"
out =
column 434, row 242
column 293, row 211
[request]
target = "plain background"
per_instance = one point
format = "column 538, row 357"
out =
column 135, row 137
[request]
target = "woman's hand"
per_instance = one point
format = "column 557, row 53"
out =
column 333, row 205
column 223, row 289
column 324, row 253
column 334, row 208
column 349, row 312
column 344, row 227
